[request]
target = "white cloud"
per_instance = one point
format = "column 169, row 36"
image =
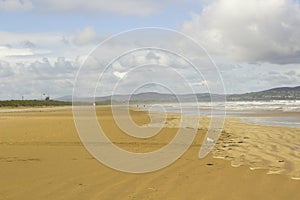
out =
column 47, row 62
column 117, row 66
column 246, row 77
column 31, row 40
column 16, row 5
column 256, row 30
column 120, row 75
column 126, row 7
column 201, row 83
column 41, row 76
column 11, row 52
column 27, row 47
column 121, row 7
column 28, row 44
column 87, row 36
column 5, row 70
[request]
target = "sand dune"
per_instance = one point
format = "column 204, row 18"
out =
column 41, row 157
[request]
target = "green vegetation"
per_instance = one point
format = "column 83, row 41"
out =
column 102, row 103
column 33, row 103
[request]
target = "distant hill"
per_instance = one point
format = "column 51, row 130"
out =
column 148, row 97
column 283, row 93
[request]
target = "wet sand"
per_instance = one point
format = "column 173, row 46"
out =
column 41, row 157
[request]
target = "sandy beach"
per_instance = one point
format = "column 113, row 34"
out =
column 42, row 157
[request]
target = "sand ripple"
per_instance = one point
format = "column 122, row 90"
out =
column 276, row 149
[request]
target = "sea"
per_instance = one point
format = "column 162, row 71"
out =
column 271, row 113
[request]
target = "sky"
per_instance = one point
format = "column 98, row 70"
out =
column 255, row 45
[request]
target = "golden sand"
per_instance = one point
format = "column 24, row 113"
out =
column 41, row 157
column 274, row 148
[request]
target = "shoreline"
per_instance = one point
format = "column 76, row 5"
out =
column 233, row 146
